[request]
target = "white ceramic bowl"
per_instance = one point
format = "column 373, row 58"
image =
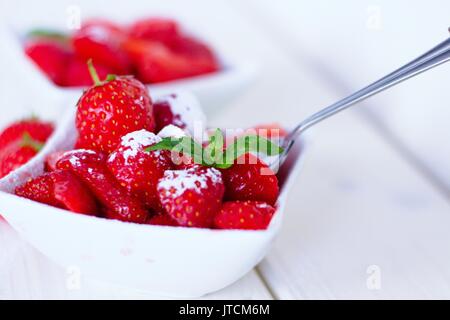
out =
column 176, row 262
column 214, row 90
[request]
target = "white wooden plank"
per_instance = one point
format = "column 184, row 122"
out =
column 356, row 42
column 358, row 202
column 27, row 274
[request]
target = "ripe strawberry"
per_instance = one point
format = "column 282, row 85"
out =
column 194, row 49
column 90, row 167
column 156, row 62
column 60, row 189
column 162, row 220
column 155, row 29
column 52, row 159
column 110, row 110
column 137, row 170
column 250, row 215
column 17, row 153
column 50, row 56
column 192, row 196
column 101, row 41
column 164, row 116
column 38, row 130
column 271, row 131
column 77, row 73
column 250, row 179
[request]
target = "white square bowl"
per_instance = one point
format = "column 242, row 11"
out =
column 170, row 261
column 215, row 91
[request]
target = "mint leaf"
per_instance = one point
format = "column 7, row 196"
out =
column 214, row 150
column 246, row 144
column 164, row 144
column 184, row 145
column 189, row 146
column 213, row 155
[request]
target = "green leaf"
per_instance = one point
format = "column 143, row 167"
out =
column 213, row 154
column 189, row 146
column 214, row 150
column 164, row 144
column 246, row 144
column 185, row 145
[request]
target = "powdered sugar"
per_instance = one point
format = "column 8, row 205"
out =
column 178, row 181
column 133, row 142
column 77, row 155
column 187, row 107
column 171, row 131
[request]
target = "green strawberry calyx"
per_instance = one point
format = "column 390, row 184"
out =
column 95, row 77
column 28, row 141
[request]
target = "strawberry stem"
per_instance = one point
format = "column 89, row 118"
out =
column 93, row 72
column 28, row 141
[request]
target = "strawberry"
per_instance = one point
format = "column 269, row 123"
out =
column 165, row 116
column 90, row 167
column 192, row 196
column 110, row 110
column 137, row 170
column 77, row 73
column 156, row 62
column 249, row 215
column 155, row 29
column 50, row 56
column 37, row 130
column 250, row 179
column 60, row 189
column 17, row 153
column 194, row 49
column 101, row 41
column 271, row 131
column 52, row 159
column 162, row 220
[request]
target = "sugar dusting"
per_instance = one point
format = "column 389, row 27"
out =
column 187, row 108
column 171, row 131
column 77, row 155
column 179, row 181
column 134, row 142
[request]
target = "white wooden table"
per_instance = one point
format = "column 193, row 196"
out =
column 370, row 215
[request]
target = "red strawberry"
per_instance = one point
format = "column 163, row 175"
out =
column 36, row 129
column 162, row 220
column 250, row 179
column 61, row 189
column 17, row 153
column 164, row 116
column 194, row 49
column 52, row 159
column 250, row 215
column 155, row 29
column 102, row 42
column 137, row 170
column 90, row 167
column 192, row 196
column 50, row 56
column 77, row 73
column 110, row 110
column 156, row 62
column 271, row 131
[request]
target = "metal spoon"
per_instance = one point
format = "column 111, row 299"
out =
column 430, row 59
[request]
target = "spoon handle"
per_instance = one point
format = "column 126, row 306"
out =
column 430, row 59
